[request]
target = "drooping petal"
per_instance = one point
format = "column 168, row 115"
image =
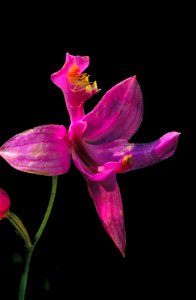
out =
column 42, row 150
column 122, row 156
column 75, row 85
column 110, row 210
column 117, row 116
column 4, row 203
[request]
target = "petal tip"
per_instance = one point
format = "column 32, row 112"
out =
column 168, row 144
column 122, row 251
column 133, row 79
column 119, row 239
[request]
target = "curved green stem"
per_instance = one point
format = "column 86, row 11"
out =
column 23, row 282
column 48, row 211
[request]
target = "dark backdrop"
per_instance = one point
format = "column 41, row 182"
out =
column 75, row 255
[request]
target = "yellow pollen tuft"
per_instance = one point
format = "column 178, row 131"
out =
column 80, row 82
column 127, row 160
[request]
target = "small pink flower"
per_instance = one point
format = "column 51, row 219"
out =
column 4, row 203
column 97, row 142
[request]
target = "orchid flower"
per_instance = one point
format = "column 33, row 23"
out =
column 97, row 142
column 4, row 203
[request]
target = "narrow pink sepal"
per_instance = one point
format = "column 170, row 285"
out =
column 110, row 210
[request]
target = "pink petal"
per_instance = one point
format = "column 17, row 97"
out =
column 110, row 210
column 144, row 155
column 118, row 115
column 42, row 150
column 4, row 203
column 75, row 85
column 120, row 156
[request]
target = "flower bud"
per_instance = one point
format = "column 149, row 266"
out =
column 4, row 203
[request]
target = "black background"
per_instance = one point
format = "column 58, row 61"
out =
column 75, row 257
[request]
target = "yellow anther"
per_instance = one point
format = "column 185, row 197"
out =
column 80, row 82
column 127, row 160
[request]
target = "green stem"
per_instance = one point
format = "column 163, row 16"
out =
column 48, row 211
column 24, row 277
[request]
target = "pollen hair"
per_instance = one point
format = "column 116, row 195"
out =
column 80, row 81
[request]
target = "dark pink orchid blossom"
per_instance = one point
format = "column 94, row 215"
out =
column 4, row 203
column 97, row 142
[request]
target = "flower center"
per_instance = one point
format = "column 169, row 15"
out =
column 87, row 160
column 80, row 81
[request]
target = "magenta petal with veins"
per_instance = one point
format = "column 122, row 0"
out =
column 118, row 115
column 42, row 150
